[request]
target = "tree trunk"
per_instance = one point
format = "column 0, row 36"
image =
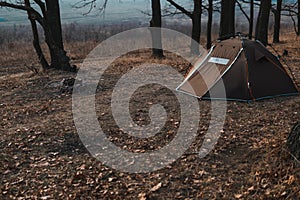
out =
column 277, row 14
column 36, row 40
column 157, row 51
column 227, row 21
column 262, row 24
column 196, row 29
column 49, row 19
column 53, row 35
column 251, row 20
column 293, row 141
column 298, row 33
column 36, row 45
column 209, row 24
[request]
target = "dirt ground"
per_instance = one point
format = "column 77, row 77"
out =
column 42, row 156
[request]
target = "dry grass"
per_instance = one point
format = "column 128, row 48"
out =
column 42, row 156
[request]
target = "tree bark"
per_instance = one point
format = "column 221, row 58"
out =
column 155, row 22
column 251, row 19
column 277, row 15
column 36, row 45
column 53, row 35
column 209, row 24
column 293, row 141
column 196, row 28
column 36, row 40
column 262, row 24
column 298, row 33
column 227, row 21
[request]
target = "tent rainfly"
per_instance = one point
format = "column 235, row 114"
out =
column 243, row 69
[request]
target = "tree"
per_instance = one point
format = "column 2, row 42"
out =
column 262, row 24
column 210, row 10
column 49, row 19
column 227, row 21
column 293, row 141
column 53, row 35
column 251, row 19
column 36, row 40
column 196, row 28
column 157, row 51
column 195, row 16
column 292, row 10
column 298, row 18
column 277, row 15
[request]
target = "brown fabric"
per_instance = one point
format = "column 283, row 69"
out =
column 234, row 81
column 228, row 51
column 202, row 80
column 209, row 73
column 267, row 77
column 255, row 74
column 258, row 55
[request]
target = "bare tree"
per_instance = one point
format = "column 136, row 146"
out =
column 155, row 22
column 49, row 19
column 210, row 10
column 298, row 18
column 277, row 15
column 262, row 24
column 196, row 28
column 36, row 40
column 157, row 51
column 227, row 21
column 292, row 10
column 53, row 34
column 251, row 19
column 195, row 16
column 250, row 16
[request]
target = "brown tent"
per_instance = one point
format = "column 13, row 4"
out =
column 244, row 68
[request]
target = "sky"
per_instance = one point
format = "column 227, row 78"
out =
column 116, row 11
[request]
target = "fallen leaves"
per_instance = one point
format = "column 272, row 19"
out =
column 43, row 158
column 156, row 187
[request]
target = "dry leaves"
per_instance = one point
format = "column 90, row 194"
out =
column 42, row 157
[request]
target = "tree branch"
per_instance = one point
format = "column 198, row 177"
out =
column 15, row 6
column 243, row 11
column 91, row 4
column 41, row 5
column 33, row 14
column 182, row 9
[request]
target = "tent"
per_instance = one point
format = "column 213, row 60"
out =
column 244, row 68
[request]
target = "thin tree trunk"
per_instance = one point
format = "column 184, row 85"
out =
column 155, row 22
column 196, row 30
column 250, row 34
column 298, row 33
column 277, row 14
column 209, row 23
column 36, row 40
column 37, row 47
column 227, row 21
column 262, row 24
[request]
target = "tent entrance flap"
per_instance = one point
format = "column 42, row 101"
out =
column 211, row 70
column 201, row 80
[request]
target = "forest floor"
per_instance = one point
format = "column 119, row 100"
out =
column 42, row 156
